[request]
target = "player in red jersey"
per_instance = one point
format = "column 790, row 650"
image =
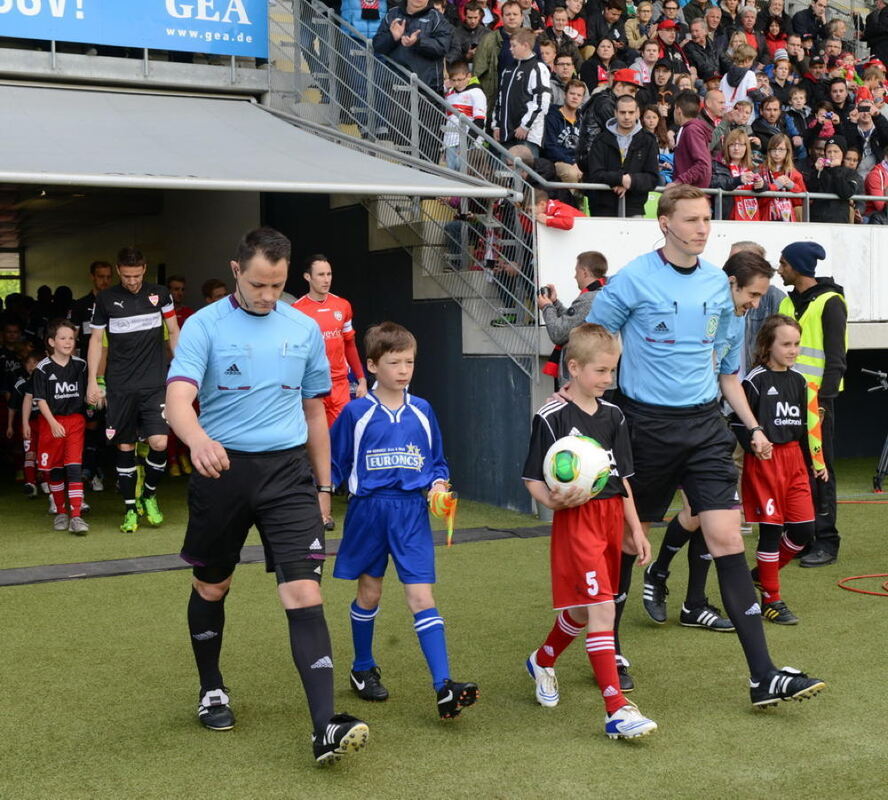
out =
column 334, row 317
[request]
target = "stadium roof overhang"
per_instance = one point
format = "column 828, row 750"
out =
column 132, row 139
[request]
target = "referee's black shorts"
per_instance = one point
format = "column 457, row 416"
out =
column 131, row 415
column 274, row 491
column 687, row 447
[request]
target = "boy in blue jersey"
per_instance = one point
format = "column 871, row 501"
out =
column 676, row 316
column 387, row 447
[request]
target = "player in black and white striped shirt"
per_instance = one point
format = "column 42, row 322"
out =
column 133, row 315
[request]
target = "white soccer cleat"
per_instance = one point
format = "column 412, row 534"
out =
column 628, row 723
column 546, row 682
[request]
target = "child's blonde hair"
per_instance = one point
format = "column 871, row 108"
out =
column 587, row 341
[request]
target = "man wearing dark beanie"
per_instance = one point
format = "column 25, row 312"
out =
column 820, row 307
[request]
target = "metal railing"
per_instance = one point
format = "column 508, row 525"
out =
column 484, row 257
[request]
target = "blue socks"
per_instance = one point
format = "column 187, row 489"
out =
column 362, row 621
column 429, row 627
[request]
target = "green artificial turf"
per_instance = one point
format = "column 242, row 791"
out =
column 27, row 538
column 100, row 690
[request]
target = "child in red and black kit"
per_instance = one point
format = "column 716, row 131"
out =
column 60, row 392
column 21, row 401
column 776, row 491
column 587, row 533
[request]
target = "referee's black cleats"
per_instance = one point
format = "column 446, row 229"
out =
column 214, row 711
column 654, row 595
column 343, row 735
column 367, row 684
column 453, row 697
column 706, row 616
column 784, row 684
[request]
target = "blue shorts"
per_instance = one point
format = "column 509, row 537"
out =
column 387, row 522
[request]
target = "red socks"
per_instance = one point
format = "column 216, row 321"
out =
column 768, row 578
column 563, row 632
column 75, row 498
column 603, row 658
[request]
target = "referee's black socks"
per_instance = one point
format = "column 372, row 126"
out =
column 674, row 539
column 741, row 605
column 312, row 654
column 627, row 562
column 155, row 468
column 206, row 621
column 698, row 570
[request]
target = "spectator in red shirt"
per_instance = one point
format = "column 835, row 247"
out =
column 554, row 213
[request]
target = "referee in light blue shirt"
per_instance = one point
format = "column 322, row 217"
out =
column 260, row 371
column 675, row 314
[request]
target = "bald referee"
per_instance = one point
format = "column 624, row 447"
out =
column 261, row 373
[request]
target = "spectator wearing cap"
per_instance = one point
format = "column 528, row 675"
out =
column 811, row 20
column 813, row 81
column 644, row 64
column 868, row 132
column 693, row 163
column 667, row 32
column 830, row 177
column 600, row 108
column 700, row 51
column 820, row 307
column 776, row 9
column 672, row 14
column 608, row 24
column 625, row 157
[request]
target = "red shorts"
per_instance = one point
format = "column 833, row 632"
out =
column 336, row 400
column 54, row 453
column 585, row 553
column 777, row 491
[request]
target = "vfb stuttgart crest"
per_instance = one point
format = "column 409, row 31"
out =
column 337, row 316
column 153, row 298
column 110, row 432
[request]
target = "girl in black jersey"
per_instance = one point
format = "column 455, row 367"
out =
column 776, row 492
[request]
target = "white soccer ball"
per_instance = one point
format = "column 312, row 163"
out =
column 577, row 461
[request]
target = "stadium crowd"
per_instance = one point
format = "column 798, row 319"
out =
column 736, row 96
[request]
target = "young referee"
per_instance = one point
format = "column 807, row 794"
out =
column 675, row 313
column 260, row 370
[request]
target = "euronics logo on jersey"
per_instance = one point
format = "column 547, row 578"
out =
column 409, row 457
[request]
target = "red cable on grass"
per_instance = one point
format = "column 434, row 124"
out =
column 843, row 581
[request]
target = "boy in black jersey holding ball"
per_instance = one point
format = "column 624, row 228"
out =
column 776, row 492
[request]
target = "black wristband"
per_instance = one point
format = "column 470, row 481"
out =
column 327, row 489
column 756, row 428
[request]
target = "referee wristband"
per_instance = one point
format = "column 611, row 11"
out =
column 756, row 428
column 327, row 489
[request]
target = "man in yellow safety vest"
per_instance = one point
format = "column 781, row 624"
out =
column 819, row 306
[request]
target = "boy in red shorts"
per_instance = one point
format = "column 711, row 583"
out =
column 60, row 392
column 587, row 533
